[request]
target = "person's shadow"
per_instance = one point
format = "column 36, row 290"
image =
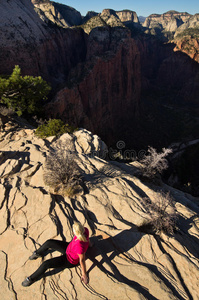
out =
column 187, row 240
column 119, row 245
column 103, row 252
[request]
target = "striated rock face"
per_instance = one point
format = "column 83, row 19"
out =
column 39, row 50
column 130, row 264
column 62, row 15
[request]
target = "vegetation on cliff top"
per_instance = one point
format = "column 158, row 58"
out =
column 161, row 215
column 54, row 127
column 189, row 32
column 62, row 173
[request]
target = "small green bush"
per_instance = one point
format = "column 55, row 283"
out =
column 54, row 127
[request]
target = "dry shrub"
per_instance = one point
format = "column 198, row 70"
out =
column 154, row 163
column 161, row 214
column 72, row 190
column 61, row 170
column 5, row 111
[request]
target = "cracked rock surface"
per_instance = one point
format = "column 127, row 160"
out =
column 124, row 262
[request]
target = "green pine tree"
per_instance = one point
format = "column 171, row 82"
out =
column 23, row 93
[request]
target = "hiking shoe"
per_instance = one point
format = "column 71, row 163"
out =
column 27, row 281
column 34, row 256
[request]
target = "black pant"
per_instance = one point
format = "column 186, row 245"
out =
column 57, row 262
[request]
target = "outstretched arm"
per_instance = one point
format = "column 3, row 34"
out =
column 83, row 267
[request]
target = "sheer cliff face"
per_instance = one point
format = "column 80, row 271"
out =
column 107, row 95
column 105, row 90
column 39, row 50
column 110, row 92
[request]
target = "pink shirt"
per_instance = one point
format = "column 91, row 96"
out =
column 76, row 247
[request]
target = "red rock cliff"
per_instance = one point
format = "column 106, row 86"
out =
column 106, row 95
column 110, row 92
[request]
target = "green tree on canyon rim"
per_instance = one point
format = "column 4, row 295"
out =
column 23, row 93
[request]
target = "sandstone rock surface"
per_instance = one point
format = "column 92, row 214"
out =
column 124, row 262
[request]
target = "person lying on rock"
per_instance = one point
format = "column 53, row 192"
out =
column 73, row 254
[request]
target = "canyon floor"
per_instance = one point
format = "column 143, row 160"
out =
column 124, row 262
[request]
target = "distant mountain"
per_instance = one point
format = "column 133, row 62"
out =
column 89, row 15
column 141, row 19
column 191, row 22
column 180, row 27
column 186, row 37
column 168, row 21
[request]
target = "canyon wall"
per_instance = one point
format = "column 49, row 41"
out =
column 108, row 93
column 121, row 90
column 112, row 79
